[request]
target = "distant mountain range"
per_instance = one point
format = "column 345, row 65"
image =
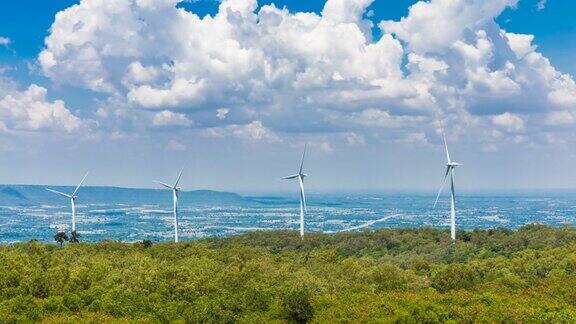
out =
column 37, row 194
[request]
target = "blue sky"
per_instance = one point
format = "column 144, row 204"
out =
column 135, row 90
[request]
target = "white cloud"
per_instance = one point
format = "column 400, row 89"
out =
column 271, row 66
column 541, row 5
column 433, row 26
column 345, row 11
column 138, row 74
column 4, row 41
column 30, row 110
column 168, row 118
column 254, row 131
column 181, row 91
column 222, row 112
column 382, row 118
column 509, row 122
column 563, row 117
column 521, row 44
column 563, row 91
column 375, row 117
column 236, row 58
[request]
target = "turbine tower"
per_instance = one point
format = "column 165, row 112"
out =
column 175, row 190
column 72, row 197
column 300, row 175
column 450, row 168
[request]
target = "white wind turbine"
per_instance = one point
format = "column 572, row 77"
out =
column 72, row 197
column 175, row 190
column 301, row 177
column 450, row 168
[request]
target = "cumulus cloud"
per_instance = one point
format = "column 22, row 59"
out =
column 520, row 44
column 308, row 72
column 136, row 73
column 433, row 26
column 509, row 122
column 30, row 110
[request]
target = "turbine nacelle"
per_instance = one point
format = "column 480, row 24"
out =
column 167, row 186
column 453, row 164
column 294, row 176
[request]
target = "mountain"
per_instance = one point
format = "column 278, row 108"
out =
column 37, row 194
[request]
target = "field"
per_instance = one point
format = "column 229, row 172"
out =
column 390, row 275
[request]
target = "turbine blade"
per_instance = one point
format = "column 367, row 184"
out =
column 445, row 143
column 179, row 176
column 59, row 193
column 302, row 196
column 78, row 187
column 291, row 176
column 446, row 147
column 164, row 184
column 303, row 155
column 442, row 186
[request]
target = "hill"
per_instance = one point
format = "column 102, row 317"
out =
column 391, row 275
column 37, row 194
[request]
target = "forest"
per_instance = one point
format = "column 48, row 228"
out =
column 407, row 275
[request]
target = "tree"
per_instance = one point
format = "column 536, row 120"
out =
column 74, row 237
column 297, row 306
column 147, row 243
column 60, row 237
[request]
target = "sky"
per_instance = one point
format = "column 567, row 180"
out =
column 232, row 90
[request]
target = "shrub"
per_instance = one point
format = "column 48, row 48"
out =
column 296, row 305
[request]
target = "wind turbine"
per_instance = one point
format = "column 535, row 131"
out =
column 175, row 190
column 450, row 168
column 301, row 177
column 72, row 200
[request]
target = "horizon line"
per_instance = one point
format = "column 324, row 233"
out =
column 312, row 190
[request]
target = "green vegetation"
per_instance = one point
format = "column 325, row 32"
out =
column 61, row 237
column 391, row 275
column 74, row 237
